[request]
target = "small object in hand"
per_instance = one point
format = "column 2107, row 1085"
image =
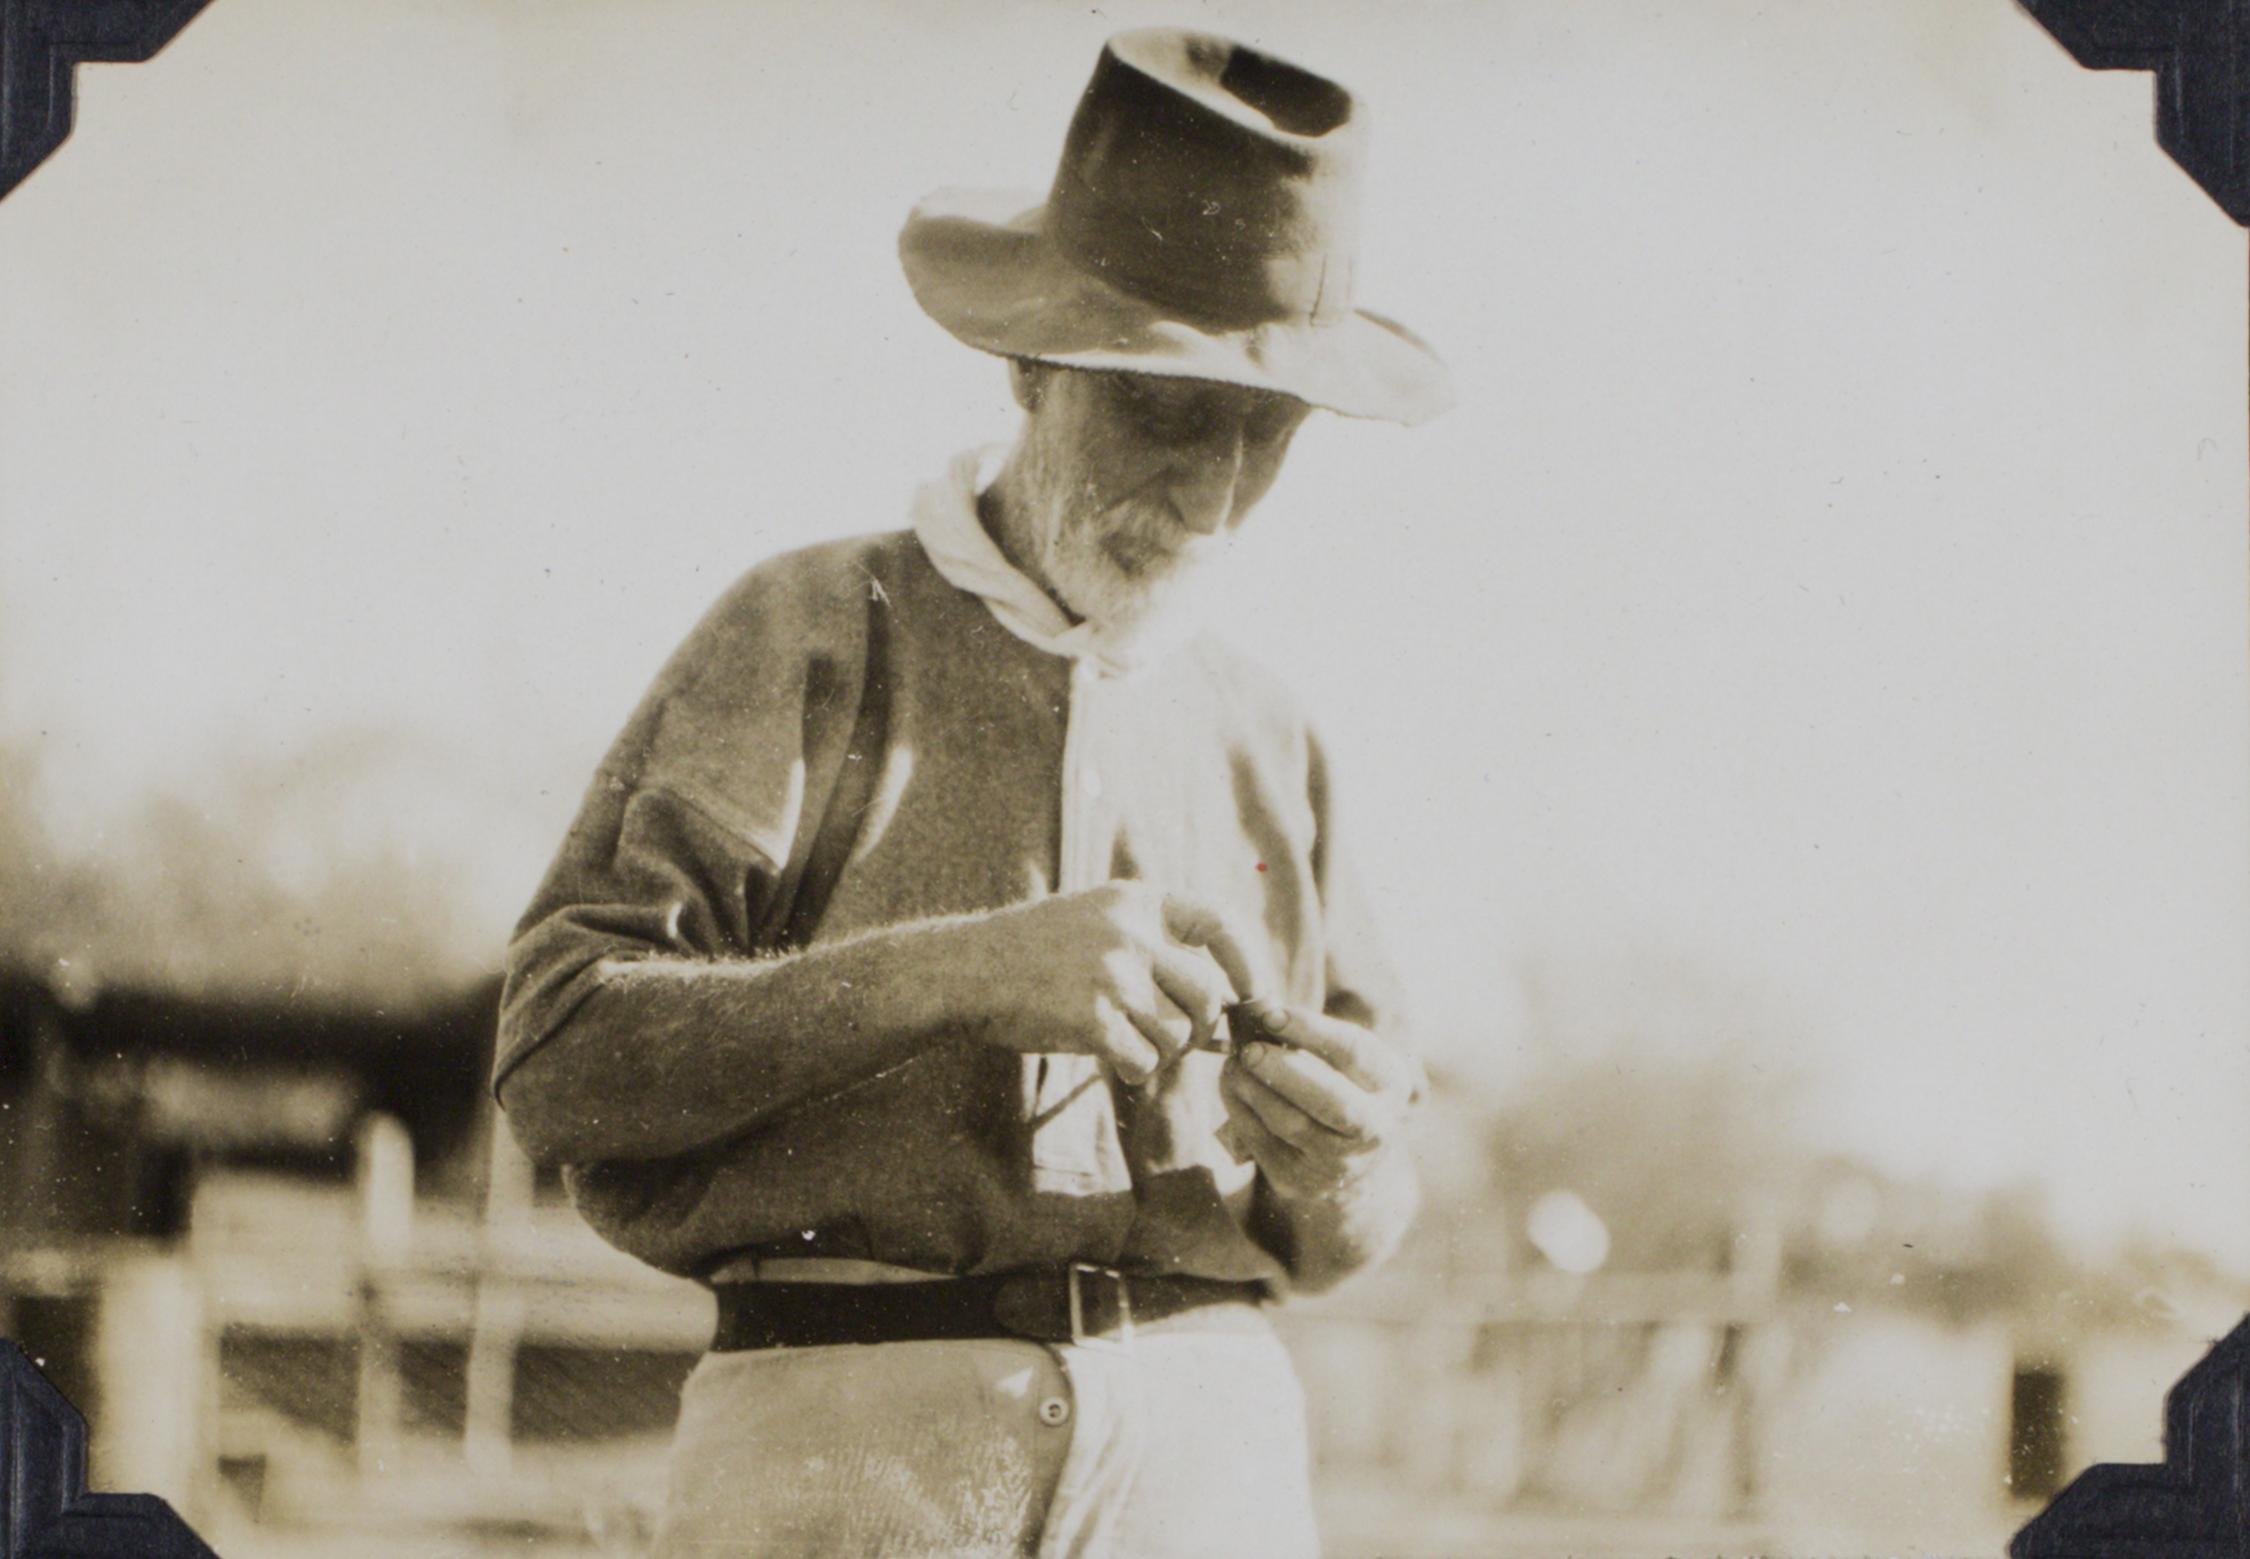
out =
column 1245, row 1022
column 1231, row 1140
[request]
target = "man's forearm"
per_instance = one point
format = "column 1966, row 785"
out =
column 1323, row 1239
column 669, row 1054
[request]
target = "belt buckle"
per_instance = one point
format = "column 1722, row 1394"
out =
column 1098, row 1336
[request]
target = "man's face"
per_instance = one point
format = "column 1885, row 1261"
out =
column 1142, row 479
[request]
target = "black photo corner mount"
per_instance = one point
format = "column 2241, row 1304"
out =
column 42, row 44
column 45, row 1511
column 2200, row 52
column 2195, row 1504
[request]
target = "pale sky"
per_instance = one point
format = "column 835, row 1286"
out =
column 1833, row 577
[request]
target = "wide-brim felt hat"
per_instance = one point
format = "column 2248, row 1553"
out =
column 1203, row 223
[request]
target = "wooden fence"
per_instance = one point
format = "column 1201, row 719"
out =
column 353, row 1357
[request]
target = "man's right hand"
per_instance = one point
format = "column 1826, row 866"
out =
column 1121, row 972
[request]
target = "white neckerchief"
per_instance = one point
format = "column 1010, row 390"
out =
column 967, row 558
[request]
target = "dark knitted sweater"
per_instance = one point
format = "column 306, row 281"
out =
column 848, row 742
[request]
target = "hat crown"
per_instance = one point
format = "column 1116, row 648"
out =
column 1205, row 176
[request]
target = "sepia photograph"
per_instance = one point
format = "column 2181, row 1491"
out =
column 1424, row 778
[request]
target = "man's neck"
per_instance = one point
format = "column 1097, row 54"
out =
column 1008, row 520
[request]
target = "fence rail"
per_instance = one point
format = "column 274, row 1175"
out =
column 350, row 1351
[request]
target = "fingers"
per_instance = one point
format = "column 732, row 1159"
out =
column 1194, row 925
column 1279, row 1117
column 1311, row 1091
column 1121, row 1043
column 1194, row 985
column 1163, row 1024
column 1359, row 1053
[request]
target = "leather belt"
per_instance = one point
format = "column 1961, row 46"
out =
column 1075, row 1304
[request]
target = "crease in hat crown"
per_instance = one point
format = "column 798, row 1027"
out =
column 1203, row 220
column 1210, row 177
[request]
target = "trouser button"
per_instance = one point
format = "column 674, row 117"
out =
column 1054, row 1412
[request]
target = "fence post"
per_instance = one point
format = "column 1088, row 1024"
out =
column 490, row 1387
column 386, row 1226
column 149, row 1434
column 1755, row 1277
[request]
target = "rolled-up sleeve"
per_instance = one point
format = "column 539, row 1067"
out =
column 682, row 845
column 643, row 873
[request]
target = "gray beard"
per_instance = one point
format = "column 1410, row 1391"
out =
column 1119, row 568
column 1090, row 581
column 1089, row 561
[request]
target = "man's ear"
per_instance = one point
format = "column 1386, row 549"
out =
column 1028, row 380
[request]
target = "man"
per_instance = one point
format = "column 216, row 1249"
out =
column 951, row 963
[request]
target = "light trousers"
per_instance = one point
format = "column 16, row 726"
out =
column 1177, row 1443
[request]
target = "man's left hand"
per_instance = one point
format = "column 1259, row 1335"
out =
column 1317, row 1105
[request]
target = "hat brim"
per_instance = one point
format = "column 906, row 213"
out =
column 981, row 265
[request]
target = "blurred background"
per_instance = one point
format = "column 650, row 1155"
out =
column 1793, row 714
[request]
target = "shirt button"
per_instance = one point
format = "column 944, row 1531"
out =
column 1054, row 1412
column 1090, row 781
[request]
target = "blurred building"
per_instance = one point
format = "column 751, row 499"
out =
column 259, row 1243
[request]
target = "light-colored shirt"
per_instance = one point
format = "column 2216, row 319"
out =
column 849, row 742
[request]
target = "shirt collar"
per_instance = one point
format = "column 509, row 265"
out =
column 966, row 557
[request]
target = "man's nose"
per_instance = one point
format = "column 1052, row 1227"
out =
column 1203, row 491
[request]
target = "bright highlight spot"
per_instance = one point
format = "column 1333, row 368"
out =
column 1567, row 1232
